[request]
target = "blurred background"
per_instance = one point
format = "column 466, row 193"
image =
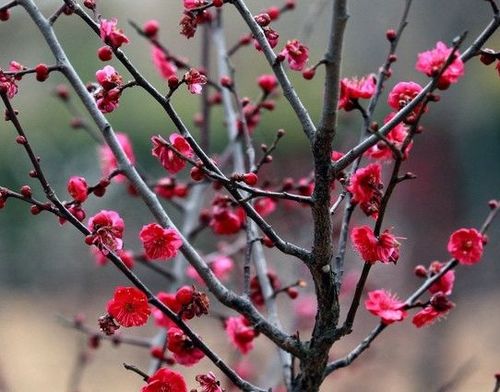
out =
column 46, row 271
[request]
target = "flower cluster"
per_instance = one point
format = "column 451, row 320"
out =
column 108, row 96
column 353, row 89
column 385, row 248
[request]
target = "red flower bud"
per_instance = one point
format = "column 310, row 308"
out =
column 151, row 28
column 391, row 35
column 42, row 72
column 250, row 179
column 105, row 53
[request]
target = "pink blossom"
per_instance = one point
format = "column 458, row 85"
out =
column 159, row 242
column 445, row 283
column 365, row 187
column 8, row 85
column 372, row 249
column 111, row 35
column 297, row 54
column 106, row 229
column 438, row 307
column 432, row 61
column 385, row 305
column 108, row 160
column 240, row 334
column 402, row 94
column 162, row 63
column 466, row 245
column 209, row 382
column 169, row 159
column 195, row 81
column 272, row 37
column 108, row 78
column 396, row 136
column 77, row 188
column 353, row 89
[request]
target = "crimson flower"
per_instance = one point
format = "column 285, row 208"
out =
column 240, row 334
column 466, row 245
column 365, row 186
column 108, row 160
column 438, row 307
column 385, row 305
column 106, row 229
column 432, row 61
column 445, row 283
column 169, row 159
column 353, row 89
column 372, row 249
column 129, row 307
column 209, row 382
column 165, row 380
column 195, row 81
column 402, row 94
column 111, row 35
column 159, row 242
column 77, row 188
column 185, row 352
column 296, row 53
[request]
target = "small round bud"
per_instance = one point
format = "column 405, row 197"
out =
column 76, row 123
column 273, row 12
column 250, row 179
column 90, row 4
column 308, row 73
column 391, row 35
column 151, row 28
column 290, row 4
column 35, row 210
column 246, row 39
column 94, row 341
column 267, row 242
column 173, row 82
column 21, row 140
column 281, row 132
column 292, row 292
column 393, row 58
column 196, row 174
column 493, row 204
column 4, row 15
column 280, row 58
column 33, row 174
column 420, row 271
column 184, row 295
column 263, row 19
column 26, row 191
column 42, row 72
column 99, row 191
column 218, row 3
column 268, row 159
column 67, row 10
column 105, row 53
column 487, row 56
column 269, row 105
column 226, row 81
column 89, row 239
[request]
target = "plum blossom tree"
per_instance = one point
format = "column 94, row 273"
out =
column 230, row 195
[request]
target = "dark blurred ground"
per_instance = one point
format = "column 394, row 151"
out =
column 46, row 270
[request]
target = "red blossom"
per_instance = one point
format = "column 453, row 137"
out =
column 353, row 89
column 165, row 66
column 209, row 382
column 372, row 249
column 365, row 186
column 438, row 307
column 185, row 352
column 225, row 219
column 296, row 53
column 111, row 35
column 106, row 229
column 165, row 380
column 272, row 37
column 445, row 283
column 108, row 78
column 188, row 25
column 385, row 305
column 402, row 94
column 77, row 188
column 169, row 159
column 396, row 136
column 195, row 80
column 432, row 61
column 129, row 307
column 159, row 242
column 240, row 334
column 8, row 85
column 466, row 245
column 108, row 160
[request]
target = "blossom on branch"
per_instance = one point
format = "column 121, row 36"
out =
column 168, row 158
column 8, row 85
column 353, row 89
column 195, row 81
column 402, row 94
column 106, row 229
column 77, row 188
column 296, row 53
column 466, row 245
column 240, row 333
column 432, row 61
column 129, row 307
column 110, row 34
column 372, row 249
column 365, row 187
column 438, row 307
column 159, row 242
column 385, row 305
column 185, row 352
column 165, row 380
